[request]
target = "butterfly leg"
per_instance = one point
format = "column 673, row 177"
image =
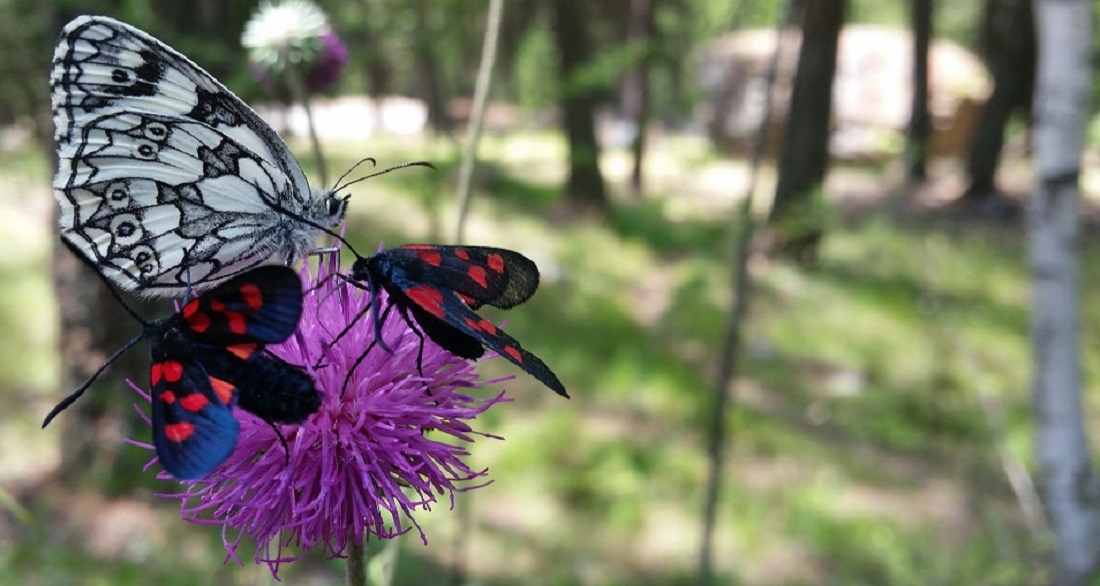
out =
column 189, row 291
column 324, row 251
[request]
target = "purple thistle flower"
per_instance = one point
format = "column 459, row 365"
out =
column 363, row 462
column 325, row 70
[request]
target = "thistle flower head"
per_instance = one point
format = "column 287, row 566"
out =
column 364, row 462
column 287, row 33
column 328, row 65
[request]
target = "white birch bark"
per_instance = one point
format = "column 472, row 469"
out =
column 1063, row 89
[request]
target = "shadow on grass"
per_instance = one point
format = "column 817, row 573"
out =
column 648, row 223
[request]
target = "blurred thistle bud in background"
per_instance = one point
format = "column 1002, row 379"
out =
column 294, row 34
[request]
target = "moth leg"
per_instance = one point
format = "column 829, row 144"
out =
column 358, row 361
column 282, row 440
column 347, row 329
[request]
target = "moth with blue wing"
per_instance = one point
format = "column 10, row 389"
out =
column 166, row 180
column 209, row 358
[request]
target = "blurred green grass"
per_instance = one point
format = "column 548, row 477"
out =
column 860, row 453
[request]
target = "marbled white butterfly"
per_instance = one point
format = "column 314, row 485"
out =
column 165, row 178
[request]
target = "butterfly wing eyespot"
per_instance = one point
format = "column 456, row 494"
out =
column 165, row 178
column 193, row 425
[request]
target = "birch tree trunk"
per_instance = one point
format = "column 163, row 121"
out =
column 1064, row 85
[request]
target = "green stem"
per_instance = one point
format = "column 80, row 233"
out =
column 357, row 564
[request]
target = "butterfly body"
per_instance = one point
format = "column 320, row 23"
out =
column 209, row 358
column 439, row 287
column 165, row 178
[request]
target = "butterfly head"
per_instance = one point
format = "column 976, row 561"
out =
column 335, row 207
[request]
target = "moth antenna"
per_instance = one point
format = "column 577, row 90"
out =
column 394, row 168
column 336, row 186
column 110, row 288
column 88, row 383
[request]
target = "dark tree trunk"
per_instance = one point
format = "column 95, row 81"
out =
column 585, row 185
column 92, row 327
column 375, row 65
column 796, row 217
column 919, row 119
column 635, row 98
column 1013, row 82
column 430, row 75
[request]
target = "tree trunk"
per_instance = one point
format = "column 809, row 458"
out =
column 1013, row 78
column 92, row 327
column 797, row 213
column 635, row 98
column 430, row 76
column 729, row 353
column 919, row 119
column 1064, row 87
column 585, row 186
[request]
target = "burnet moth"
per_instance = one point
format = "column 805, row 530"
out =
column 439, row 287
column 208, row 358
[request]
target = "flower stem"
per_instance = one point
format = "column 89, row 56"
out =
column 357, row 564
column 299, row 93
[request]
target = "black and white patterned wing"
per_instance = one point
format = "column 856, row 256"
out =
column 165, row 178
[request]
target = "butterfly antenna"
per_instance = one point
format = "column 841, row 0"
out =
column 110, row 288
column 336, row 186
column 384, row 171
column 88, row 383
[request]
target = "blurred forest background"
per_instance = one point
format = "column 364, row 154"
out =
column 787, row 287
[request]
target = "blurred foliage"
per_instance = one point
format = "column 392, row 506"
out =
column 382, row 37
